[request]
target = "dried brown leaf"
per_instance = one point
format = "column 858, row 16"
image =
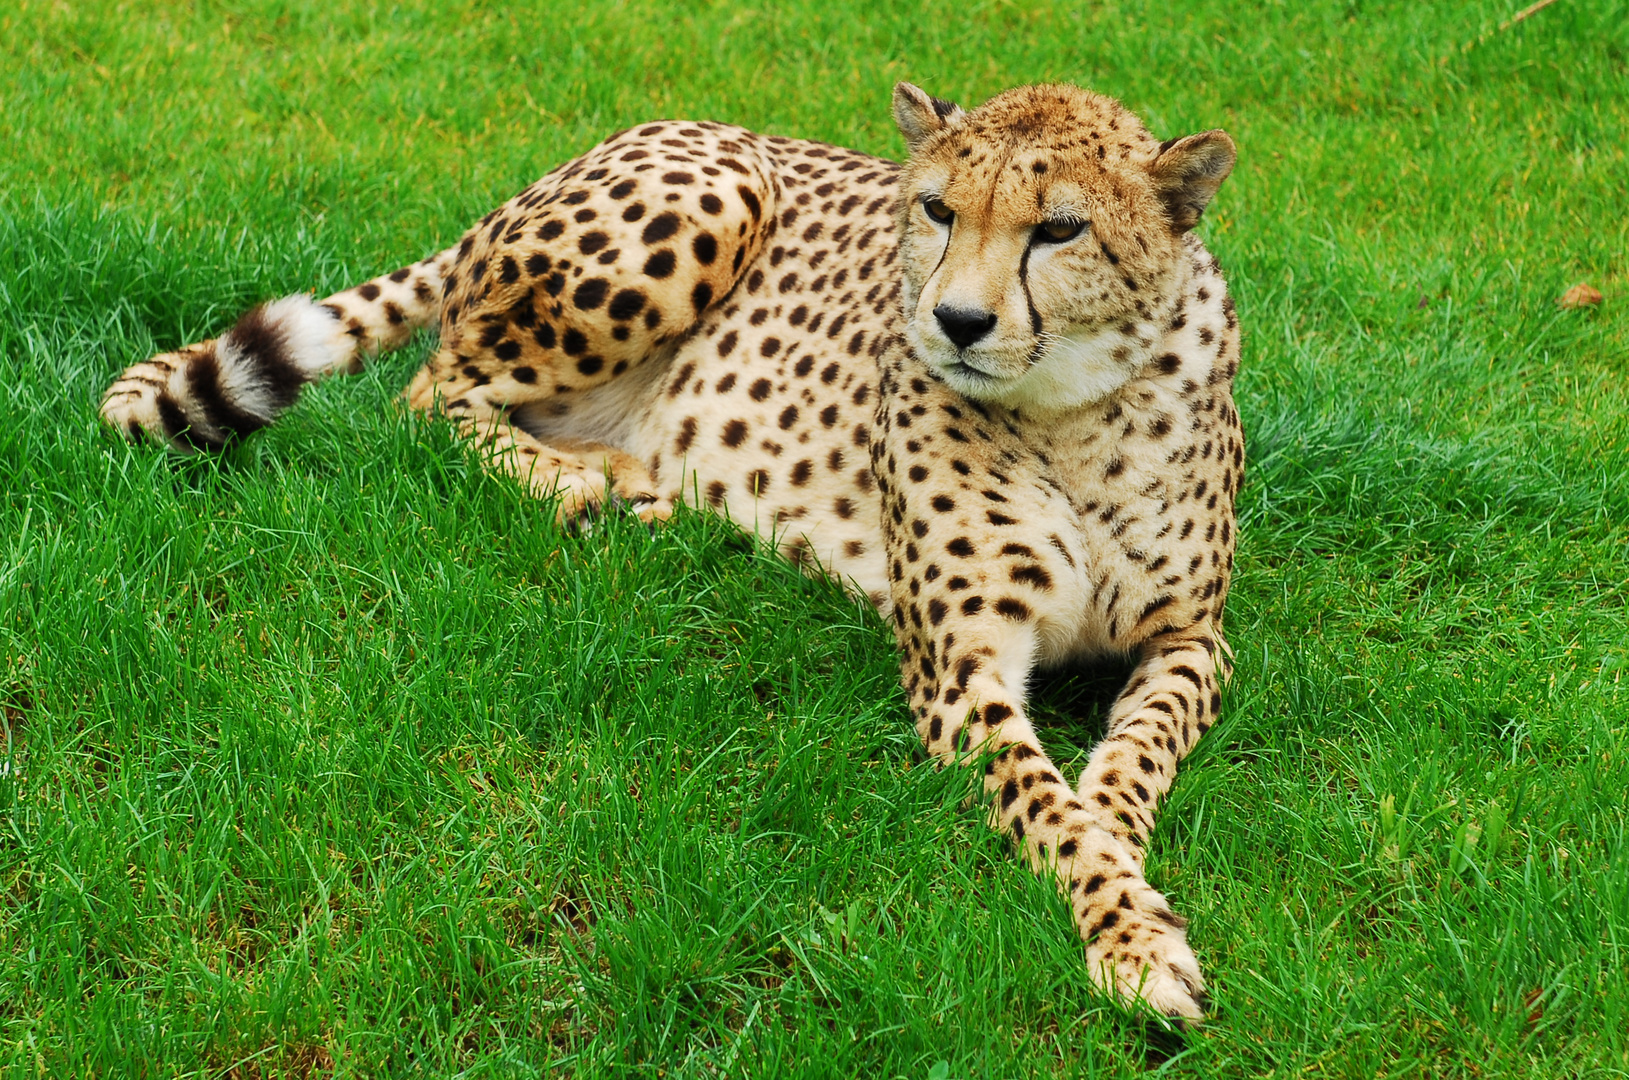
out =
column 1579, row 296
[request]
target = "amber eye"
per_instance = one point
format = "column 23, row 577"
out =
column 938, row 211
column 1056, row 232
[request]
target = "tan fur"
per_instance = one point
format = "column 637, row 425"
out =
column 1021, row 448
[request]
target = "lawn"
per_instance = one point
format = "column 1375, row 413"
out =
column 333, row 757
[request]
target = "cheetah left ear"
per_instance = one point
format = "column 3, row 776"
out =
column 920, row 115
column 1188, row 172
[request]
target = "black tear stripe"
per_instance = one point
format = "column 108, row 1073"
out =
column 942, row 253
column 1023, row 279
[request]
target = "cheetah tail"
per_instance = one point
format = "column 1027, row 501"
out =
column 205, row 396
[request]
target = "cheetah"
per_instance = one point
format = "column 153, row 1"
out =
column 989, row 390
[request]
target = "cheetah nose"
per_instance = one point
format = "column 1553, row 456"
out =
column 962, row 326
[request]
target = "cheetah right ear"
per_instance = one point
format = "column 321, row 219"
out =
column 919, row 115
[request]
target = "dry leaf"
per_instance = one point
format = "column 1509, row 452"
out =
column 1580, row 296
column 1534, row 1001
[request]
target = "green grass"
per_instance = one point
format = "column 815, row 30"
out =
column 333, row 755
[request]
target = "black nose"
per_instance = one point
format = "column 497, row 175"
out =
column 962, row 326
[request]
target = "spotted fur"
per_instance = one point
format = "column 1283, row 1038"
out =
column 989, row 390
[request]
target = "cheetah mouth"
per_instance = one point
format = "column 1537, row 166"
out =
column 963, row 370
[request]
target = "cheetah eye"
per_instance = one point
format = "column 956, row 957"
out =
column 938, row 211
column 1056, row 232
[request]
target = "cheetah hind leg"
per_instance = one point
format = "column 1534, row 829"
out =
column 627, row 487
column 585, row 480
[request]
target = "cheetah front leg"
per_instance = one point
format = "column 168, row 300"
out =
column 968, row 699
column 1169, row 702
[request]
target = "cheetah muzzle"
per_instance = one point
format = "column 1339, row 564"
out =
column 989, row 390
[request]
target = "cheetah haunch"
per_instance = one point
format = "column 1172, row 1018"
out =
column 989, row 390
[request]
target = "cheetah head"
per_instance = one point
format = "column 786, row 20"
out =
column 1041, row 237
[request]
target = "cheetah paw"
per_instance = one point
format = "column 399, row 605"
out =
column 1146, row 956
column 647, row 508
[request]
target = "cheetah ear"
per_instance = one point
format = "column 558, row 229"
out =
column 1187, row 173
column 919, row 115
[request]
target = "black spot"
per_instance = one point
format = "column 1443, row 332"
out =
column 524, row 375
column 1012, row 609
column 1031, row 575
column 712, row 204
column 622, row 190
column 507, row 350
column 550, row 229
column 574, row 343
column 701, row 295
column 626, row 304
column 587, row 244
column 660, row 265
column 735, row 433
column 705, row 247
column 687, row 434
column 661, row 227
column 590, row 294
column 590, row 365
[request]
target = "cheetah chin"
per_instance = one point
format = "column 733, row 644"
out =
column 987, row 389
